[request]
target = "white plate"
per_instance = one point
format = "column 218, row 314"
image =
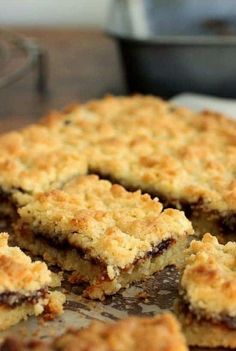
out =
column 200, row 102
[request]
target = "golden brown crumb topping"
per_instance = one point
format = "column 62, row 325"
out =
column 209, row 278
column 106, row 221
column 153, row 334
column 18, row 273
column 34, row 160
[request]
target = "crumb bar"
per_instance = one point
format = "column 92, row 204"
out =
column 34, row 160
column 159, row 333
column 102, row 233
column 24, row 287
column 186, row 159
column 207, row 306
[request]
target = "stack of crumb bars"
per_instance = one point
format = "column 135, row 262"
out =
column 113, row 191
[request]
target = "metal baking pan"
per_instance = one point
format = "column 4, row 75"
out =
column 171, row 46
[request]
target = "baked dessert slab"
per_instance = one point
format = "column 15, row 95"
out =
column 34, row 160
column 102, row 233
column 159, row 333
column 207, row 307
column 24, row 287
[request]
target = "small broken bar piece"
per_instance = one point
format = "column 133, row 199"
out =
column 207, row 305
column 24, row 287
column 104, row 234
column 158, row 333
column 34, row 160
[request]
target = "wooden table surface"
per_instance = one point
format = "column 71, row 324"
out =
column 83, row 64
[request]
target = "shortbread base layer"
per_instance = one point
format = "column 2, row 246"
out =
column 207, row 334
column 202, row 332
column 11, row 316
column 85, row 270
column 52, row 306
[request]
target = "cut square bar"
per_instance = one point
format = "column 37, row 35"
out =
column 159, row 333
column 34, row 160
column 24, row 287
column 207, row 305
column 103, row 233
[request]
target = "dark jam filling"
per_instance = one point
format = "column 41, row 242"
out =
column 160, row 248
column 11, row 208
column 14, row 299
column 221, row 319
column 157, row 250
column 64, row 245
column 228, row 223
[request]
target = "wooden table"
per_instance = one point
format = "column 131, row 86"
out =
column 82, row 65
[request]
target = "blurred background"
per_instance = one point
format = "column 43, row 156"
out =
column 72, row 13
column 53, row 53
